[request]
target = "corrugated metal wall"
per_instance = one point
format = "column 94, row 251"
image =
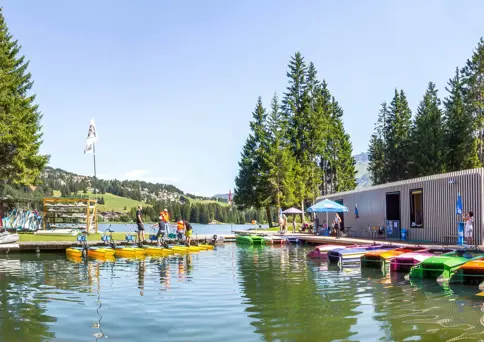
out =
column 439, row 199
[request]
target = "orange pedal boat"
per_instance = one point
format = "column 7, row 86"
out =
column 379, row 256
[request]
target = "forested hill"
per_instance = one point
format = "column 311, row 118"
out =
column 69, row 183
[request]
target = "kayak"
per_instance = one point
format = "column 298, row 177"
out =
column 158, row 251
column 129, row 252
column 100, row 252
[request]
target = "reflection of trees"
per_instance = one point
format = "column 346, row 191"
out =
column 287, row 300
column 22, row 316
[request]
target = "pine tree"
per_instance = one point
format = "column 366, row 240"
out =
column 376, row 151
column 20, row 138
column 460, row 142
column 251, row 186
column 279, row 159
column 343, row 161
column 473, row 90
column 428, row 132
column 295, row 112
column 397, row 133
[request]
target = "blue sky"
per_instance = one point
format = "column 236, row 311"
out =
column 172, row 84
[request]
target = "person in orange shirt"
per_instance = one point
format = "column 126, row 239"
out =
column 180, row 228
column 165, row 217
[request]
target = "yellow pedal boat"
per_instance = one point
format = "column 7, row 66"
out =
column 206, row 247
column 129, row 252
column 75, row 252
column 100, row 252
column 158, row 251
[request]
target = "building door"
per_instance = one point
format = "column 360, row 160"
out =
column 393, row 215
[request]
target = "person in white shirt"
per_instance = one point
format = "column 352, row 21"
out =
column 469, row 227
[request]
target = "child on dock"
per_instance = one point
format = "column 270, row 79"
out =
column 180, row 227
column 188, row 232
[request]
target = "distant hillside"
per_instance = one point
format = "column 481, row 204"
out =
column 362, row 175
column 70, row 183
column 222, row 196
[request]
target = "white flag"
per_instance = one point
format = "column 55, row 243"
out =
column 91, row 138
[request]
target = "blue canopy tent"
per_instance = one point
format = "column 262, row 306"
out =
column 327, row 206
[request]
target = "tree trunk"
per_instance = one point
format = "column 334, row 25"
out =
column 302, row 209
column 269, row 218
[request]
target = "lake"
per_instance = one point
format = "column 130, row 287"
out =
column 201, row 229
column 229, row 294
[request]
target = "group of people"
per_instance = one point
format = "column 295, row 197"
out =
column 182, row 227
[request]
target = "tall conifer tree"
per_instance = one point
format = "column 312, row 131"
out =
column 473, row 89
column 20, row 136
column 376, row 152
column 428, row 136
column 397, row 133
column 460, row 140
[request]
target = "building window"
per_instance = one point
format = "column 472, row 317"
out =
column 416, row 208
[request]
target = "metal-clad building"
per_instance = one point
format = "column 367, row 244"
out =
column 425, row 206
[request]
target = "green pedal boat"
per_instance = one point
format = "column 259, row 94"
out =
column 250, row 240
column 441, row 267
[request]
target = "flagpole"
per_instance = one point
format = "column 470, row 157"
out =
column 94, row 158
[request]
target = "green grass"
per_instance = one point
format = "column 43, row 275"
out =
column 113, row 202
column 195, row 201
column 45, row 238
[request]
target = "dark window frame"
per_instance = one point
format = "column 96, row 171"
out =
column 412, row 207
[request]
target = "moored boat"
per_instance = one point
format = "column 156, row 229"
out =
column 250, row 239
column 442, row 266
column 291, row 239
column 472, row 272
column 376, row 257
column 321, row 252
column 404, row 262
column 353, row 254
column 100, row 252
column 129, row 252
column 158, row 251
column 74, row 252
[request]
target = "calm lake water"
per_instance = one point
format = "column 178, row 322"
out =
column 202, row 229
column 230, row 294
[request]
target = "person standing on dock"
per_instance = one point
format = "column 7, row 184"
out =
column 161, row 229
column 188, row 232
column 180, row 227
column 469, row 218
column 165, row 217
column 139, row 222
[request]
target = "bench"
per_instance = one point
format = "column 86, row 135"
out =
column 449, row 237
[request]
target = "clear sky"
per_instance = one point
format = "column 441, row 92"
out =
column 172, row 84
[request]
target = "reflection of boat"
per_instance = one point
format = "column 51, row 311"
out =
column 321, row 252
column 442, row 266
column 376, row 257
column 404, row 262
column 129, row 252
column 353, row 254
column 250, row 240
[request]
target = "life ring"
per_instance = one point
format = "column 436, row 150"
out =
column 254, row 222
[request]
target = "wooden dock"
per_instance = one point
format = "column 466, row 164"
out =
column 53, row 246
